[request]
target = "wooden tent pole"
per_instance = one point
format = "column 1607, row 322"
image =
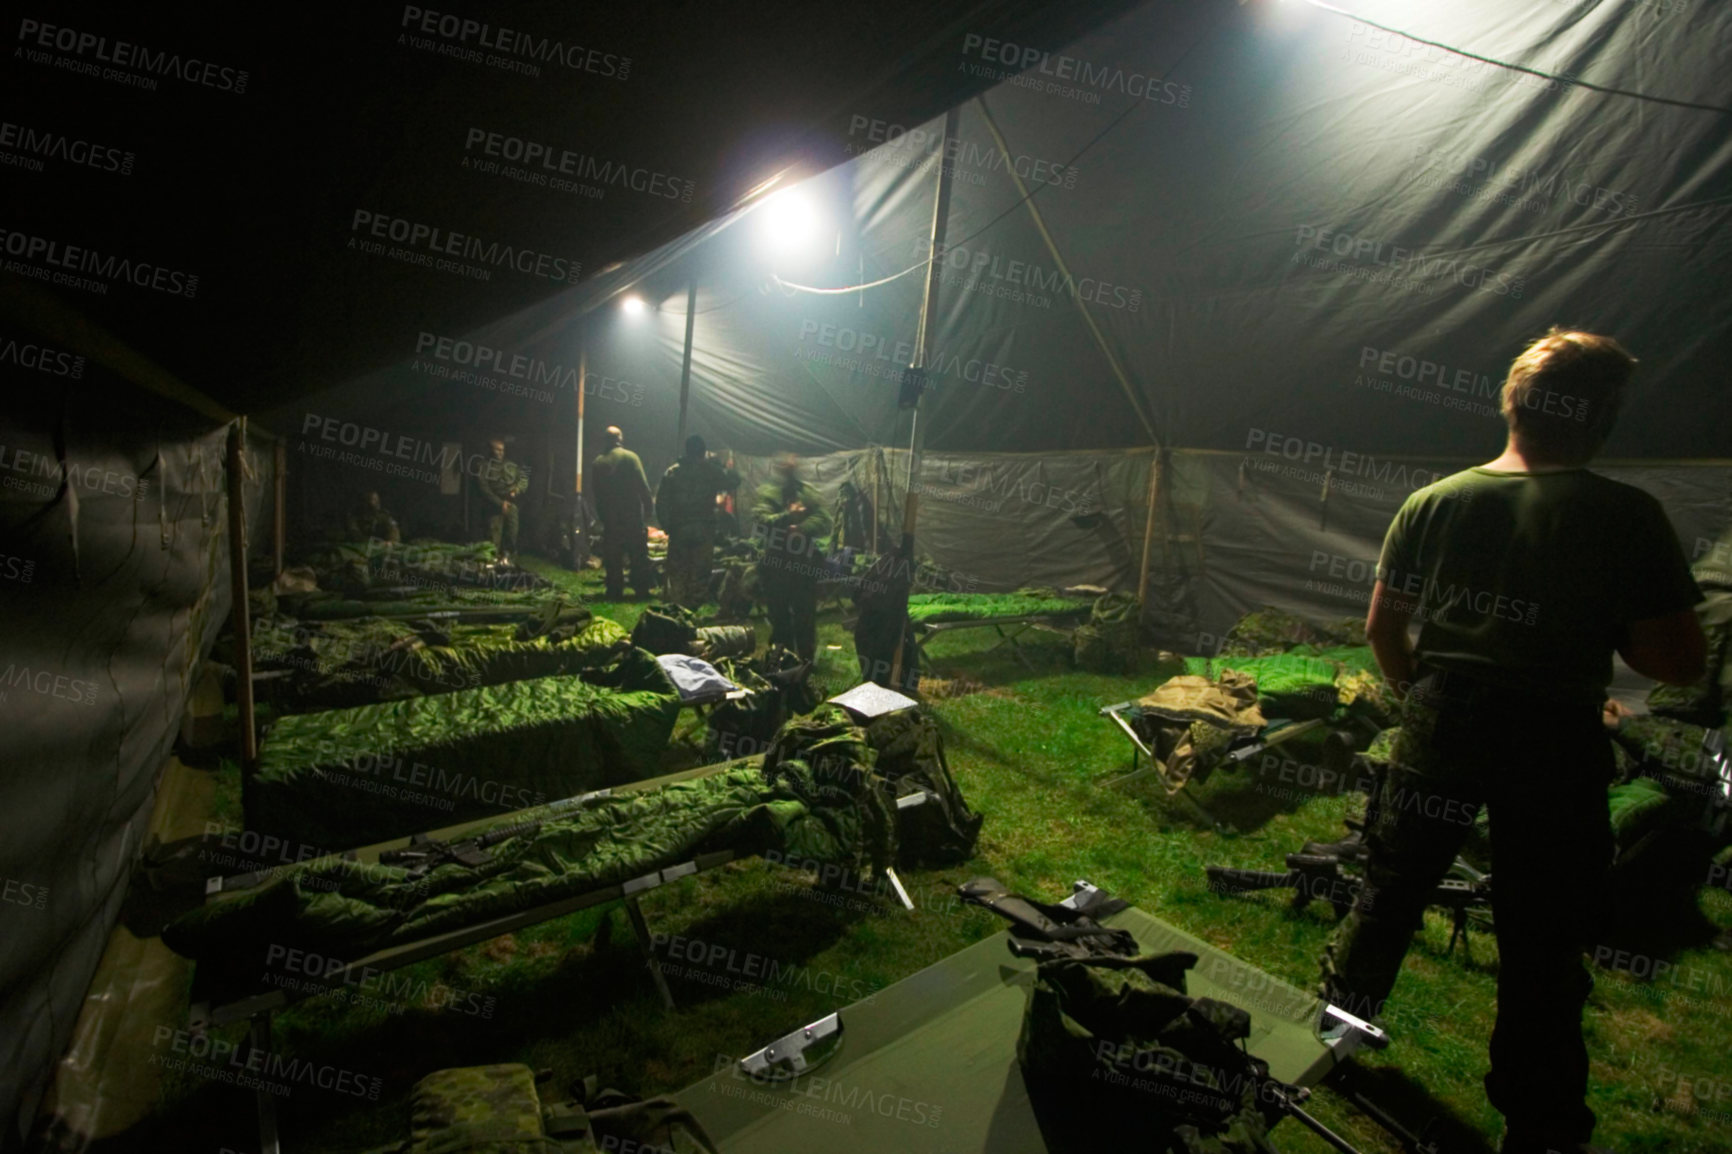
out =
column 686, row 365
column 922, row 343
column 240, row 613
column 1149, row 527
column 279, row 514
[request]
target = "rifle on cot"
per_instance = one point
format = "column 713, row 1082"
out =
column 424, row 853
column 1319, row 877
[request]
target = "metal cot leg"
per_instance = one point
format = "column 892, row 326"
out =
column 259, row 1042
column 646, row 943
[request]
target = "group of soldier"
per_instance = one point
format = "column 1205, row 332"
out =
column 693, row 496
column 694, row 504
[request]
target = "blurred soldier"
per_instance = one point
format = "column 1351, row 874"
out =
column 791, row 524
column 499, row 484
column 1526, row 574
column 623, row 502
column 371, row 521
column 686, row 508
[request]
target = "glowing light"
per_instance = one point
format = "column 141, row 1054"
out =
column 790, row 221
column 633, row 306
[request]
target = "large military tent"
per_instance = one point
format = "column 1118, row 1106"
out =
column 1221, row 283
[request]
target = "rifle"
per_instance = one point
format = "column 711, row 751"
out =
column 424, row 853
column 1319, row 877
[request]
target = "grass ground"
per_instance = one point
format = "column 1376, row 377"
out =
column 1030, row 753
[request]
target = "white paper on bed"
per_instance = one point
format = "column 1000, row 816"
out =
column 869, row 700
column 695, row 678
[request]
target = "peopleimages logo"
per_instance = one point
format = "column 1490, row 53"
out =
column 921, row 147
column 1025, row 282
column 24, row 147
column 471, row 361
column 1527, row 188
column 547, row 165
column 428, row 242
column 41, row 40
column 42, row 358
column 1398, row 263
column 1069, row 75
column 876, row 354
column 447, row 34
column 65, row 263
column 1344, row 462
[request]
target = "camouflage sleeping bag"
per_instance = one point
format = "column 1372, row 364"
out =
column 812, row 797
column 339, row 664
column 1307, row 682
column 934, row 608
column 349, row 777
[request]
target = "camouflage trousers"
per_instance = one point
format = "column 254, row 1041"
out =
column 688, row 567
column 1541, row 770
column 502, row 530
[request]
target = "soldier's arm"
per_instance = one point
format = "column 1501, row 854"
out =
column 643, row 489
column 815, row 522
column 484, row 486
column 1386, row 631
column 1669, row 649
column 663, row 498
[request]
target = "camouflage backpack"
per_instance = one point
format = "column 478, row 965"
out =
column 1116, row 1055
column 665, row 629
column 942, row 830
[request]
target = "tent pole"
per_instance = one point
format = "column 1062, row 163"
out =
column 686, row 365
column 240, row 616
column 279, row 515
column 922, row 341
column 579, row 519
column 1064, row 270
column 1149, row 528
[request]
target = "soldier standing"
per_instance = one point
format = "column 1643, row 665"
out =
column 499, row 484
column 622, row 501
column 792, row 522
column 1526, row 574
column 372, row 521
column 686, row 508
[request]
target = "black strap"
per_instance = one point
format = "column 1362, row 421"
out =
column 1048, row 923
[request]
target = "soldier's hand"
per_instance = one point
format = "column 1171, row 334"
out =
column 797, row 507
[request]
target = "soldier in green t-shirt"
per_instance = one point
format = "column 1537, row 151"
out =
column 1525, row 575
column 499, row 484
column 622, row 501
column 686, row 508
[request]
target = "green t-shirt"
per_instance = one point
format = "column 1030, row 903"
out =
column 1528, row 580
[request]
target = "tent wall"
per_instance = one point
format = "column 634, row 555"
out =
column 113, row 583
column 1233, row 531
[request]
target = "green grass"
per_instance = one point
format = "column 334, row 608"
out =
column 572, row 995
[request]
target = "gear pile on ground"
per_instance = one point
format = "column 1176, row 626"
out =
column 1109, row 642
column 1115, row 1054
